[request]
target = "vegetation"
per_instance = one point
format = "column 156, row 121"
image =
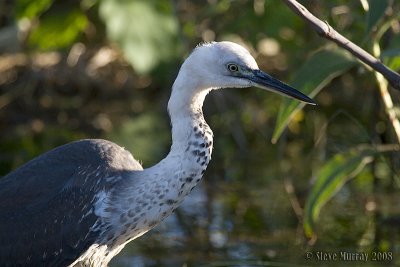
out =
column 104, row 68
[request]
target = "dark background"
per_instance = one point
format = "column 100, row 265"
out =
column 103, row 69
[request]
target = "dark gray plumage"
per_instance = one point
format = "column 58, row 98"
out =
column 41, row 222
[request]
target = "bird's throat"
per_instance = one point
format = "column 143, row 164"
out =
column 192, row 142
column 156, row 192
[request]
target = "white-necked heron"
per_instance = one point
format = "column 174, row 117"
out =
column 80, row 203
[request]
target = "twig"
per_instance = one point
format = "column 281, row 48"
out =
column 326, row 31
column 289, row 188
column 387, row 99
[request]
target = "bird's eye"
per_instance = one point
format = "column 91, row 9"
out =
column 233, row 67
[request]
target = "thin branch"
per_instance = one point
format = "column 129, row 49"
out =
column 326, row 31
column 289, row 188
column 385, row 95
column 388, row 103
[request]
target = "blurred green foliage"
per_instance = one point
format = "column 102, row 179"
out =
column 104, row 68
column 146, row 31
column 318, row 71
column 59, row 30
column 150, row 132
column 376, row 10
column 31, row 9
column 331, row 178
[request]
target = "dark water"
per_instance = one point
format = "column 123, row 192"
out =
column 234, row 224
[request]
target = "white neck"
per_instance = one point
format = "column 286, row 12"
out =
column 191, row 147
column 190, row 132
column 154, row 193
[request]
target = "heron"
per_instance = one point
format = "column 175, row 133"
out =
column 81, row 203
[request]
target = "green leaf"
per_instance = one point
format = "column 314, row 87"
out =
column 321, row 68
column 394, row 63
column 391, row 58
column 330, row 179
column 146, row 31
column 31, row 9
column 375, row 12
column 58, row 30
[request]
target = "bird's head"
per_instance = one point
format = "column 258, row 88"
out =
column 229, row 65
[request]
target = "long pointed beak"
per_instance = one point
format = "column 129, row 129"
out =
column 267, row 82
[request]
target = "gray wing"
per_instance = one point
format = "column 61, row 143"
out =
column 46, row 206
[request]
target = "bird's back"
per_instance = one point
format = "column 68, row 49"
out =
column 46, row 206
